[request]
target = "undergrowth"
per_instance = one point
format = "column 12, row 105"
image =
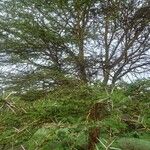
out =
column 58, row 119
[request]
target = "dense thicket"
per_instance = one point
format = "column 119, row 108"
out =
column 61, row 120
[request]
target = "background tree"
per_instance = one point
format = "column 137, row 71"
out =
column 81, row 39
column 122, row 39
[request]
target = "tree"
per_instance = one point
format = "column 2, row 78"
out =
column 122, row 39
column 81, row 39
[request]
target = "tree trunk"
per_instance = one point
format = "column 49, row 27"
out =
column 97, row 112
column 80, row 27
column 93, row 138
column 106, row 69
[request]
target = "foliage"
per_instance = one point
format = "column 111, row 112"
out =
column 53, row 54
column 33, row 95
column 133, row 143
column 140, row 89
column 59, row 120
column 47, row 41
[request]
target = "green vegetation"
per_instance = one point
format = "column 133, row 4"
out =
column 64, row 65
column 58, row 120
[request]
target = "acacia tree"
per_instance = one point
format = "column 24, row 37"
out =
column 47, row 35
column 122, row 38
column 83, row 39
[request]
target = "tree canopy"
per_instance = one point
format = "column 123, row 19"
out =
column 53, row 41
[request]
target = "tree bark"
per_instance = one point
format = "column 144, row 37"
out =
column 97, row 113
column 106, row 69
